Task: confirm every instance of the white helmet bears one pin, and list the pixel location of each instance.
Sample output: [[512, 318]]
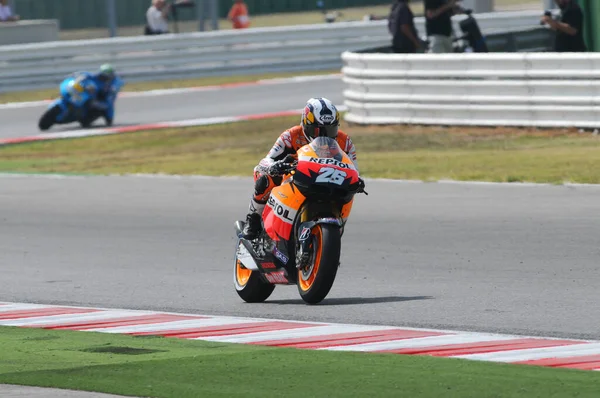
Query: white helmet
[[320, 119]]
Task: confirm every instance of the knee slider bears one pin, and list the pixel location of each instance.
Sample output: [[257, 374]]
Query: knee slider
[[261, 185]]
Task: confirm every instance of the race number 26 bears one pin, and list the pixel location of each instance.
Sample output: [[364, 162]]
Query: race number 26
[[331, 175]]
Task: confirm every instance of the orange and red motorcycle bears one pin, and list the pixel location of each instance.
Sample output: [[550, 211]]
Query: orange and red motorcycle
[[303, 223]]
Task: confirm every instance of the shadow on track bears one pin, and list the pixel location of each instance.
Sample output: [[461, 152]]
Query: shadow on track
[[355, 300]]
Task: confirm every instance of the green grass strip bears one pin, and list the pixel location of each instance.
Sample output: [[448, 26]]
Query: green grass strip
[[403, 152], [161, 367]]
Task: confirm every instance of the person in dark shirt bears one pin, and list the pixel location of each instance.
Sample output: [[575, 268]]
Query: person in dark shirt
[[569, 29], [438, 22], [402, 28]]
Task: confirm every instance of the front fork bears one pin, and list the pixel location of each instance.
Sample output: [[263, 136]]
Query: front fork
[[304, 241]]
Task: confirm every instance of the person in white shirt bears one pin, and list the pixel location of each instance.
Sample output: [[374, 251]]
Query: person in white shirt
[[156, 17], [6, 13]]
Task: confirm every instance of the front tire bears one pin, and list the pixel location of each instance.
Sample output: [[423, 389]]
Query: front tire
[[49, 118], [249, 285], [315, 281]]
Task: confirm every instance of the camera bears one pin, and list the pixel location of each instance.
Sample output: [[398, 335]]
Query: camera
[[547, 13]]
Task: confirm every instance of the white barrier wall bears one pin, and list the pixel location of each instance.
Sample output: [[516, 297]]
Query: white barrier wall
[[495, 89]]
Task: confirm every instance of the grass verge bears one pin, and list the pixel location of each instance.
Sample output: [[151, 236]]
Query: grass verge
[[402, 152], [40, 95], [160, 367]]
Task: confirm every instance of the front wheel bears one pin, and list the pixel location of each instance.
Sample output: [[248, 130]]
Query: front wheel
[[49, 118], [249, 285], [316, 279]]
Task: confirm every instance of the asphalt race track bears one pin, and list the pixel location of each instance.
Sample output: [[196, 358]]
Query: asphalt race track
[[500, 258], [236, 101]]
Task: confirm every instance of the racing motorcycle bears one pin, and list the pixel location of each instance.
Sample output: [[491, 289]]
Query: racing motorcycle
[[303, 223], [76, 94]]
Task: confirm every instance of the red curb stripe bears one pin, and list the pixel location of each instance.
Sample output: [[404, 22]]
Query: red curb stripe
[[20, 140], [482, 347], [226, 330], [116, 322], [342, 339], [40, 312], [130, 129], [585, 362]]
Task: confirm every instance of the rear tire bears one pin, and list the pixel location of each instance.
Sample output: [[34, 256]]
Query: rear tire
[[49, 118], [249, 285], [314, 286]]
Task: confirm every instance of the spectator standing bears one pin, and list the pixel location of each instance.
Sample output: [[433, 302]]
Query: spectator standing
[[6, 14], [401, 25], [438, 22], [157, 18], [569, 29], [238, 15]]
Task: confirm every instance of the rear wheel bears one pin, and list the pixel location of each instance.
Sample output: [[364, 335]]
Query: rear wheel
[[249, 285], [316, 279], [49, 118]]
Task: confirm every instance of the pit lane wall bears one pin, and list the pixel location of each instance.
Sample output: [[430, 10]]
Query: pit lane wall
[[535, 89]]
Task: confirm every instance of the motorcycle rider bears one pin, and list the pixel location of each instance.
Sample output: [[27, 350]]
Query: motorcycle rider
[[319, 118], [103, 104]]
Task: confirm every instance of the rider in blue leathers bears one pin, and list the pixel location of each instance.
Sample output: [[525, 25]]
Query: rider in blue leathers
[[108, 84]]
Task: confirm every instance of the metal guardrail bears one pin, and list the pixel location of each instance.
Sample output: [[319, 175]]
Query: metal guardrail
[[516, 89], [191, 55]]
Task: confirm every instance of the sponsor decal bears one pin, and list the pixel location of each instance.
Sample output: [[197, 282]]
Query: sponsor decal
[[276, 277], [282, 257], [327, 118], [305, 234], [268, 265], [282, 211], [330, 220], [329, 161]]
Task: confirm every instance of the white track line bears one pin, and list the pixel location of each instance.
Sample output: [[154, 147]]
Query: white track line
[[185, 90], [173, 325], [420, 342], [294, 333], [72, 318], [536, 353]]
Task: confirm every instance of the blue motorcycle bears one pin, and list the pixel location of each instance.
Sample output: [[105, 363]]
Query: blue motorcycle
[[74, 104]]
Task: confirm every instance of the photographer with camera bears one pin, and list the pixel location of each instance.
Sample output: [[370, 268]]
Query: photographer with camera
[[569, 29], [438, 15]]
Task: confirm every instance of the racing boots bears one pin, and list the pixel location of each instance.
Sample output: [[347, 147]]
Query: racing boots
[[253, 226]]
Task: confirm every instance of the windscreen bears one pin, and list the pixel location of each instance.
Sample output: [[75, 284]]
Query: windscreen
[[326, 147]]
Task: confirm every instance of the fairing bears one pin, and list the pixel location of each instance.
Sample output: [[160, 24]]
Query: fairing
[[323, 171]]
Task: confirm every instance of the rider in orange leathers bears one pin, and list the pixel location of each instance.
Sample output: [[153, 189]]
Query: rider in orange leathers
[[320, 118]]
